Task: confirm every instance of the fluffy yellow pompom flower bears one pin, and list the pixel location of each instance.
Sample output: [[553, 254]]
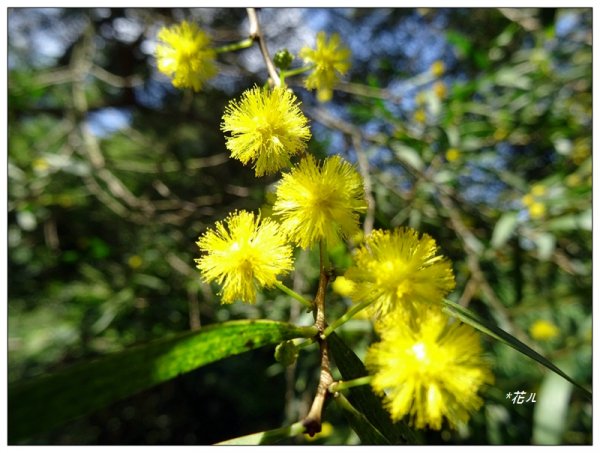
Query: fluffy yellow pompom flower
[[267, 128], [537, 210], [343, 286], [452, 154], [320, 202], [185, 55], [428, 368], [543, 330], [247, 255], [438, 68], [331, 60], [399, 270]]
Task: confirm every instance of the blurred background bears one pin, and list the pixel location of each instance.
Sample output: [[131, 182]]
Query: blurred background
[[473, 125]]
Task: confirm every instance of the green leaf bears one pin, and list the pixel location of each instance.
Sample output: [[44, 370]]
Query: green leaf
[[550, 411], [460, 42], [407, 155], [571, 222], [546, 243], [468, 317], [368, 434], [504, 229], [52, 399], [267, 437], [363, 398]]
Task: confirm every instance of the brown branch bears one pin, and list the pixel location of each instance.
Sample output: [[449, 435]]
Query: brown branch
[[312, 421], [256, 34]]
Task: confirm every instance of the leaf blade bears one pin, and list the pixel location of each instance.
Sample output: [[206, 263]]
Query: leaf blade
[[363, 398], [52, 399], [469, 317]]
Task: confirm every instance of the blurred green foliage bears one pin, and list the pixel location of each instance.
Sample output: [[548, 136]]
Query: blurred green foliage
[[113, 174]]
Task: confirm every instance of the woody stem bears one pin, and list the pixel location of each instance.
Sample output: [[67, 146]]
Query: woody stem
[[312, 421], [256, 34]]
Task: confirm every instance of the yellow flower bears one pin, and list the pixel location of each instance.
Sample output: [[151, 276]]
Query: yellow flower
[[538, 190], [267, 128], [420, 116], [399, 270], [185, 55], [40, 165], [330, 59], [135, 261], [320, 202], [429, 369], [452, 154], [573, 180], [438, 68], [543, 330], [537, 210], [343, 286], [246, 255], [440, 89], [500, 134], [527, 200]]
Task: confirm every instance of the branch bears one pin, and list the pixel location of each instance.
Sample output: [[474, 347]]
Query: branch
[[256, 34], [312, 421]]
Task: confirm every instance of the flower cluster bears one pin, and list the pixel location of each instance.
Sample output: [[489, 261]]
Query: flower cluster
[[315, 201], [185, 56], [425, 366]]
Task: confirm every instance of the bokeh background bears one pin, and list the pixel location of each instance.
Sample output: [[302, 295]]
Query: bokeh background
[[473, 125]]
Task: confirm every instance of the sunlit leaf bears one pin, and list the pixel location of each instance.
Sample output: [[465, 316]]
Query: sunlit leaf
[[504, 228], [52, 399], [469, 317]]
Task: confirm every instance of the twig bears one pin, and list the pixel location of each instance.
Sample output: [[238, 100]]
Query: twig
[[312, 421], [256, 34], [363, 167], [367, 91]]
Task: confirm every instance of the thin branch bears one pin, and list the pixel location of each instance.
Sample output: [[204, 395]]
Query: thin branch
[[367, 91], [363, 167], [312, 421], [256, 34]]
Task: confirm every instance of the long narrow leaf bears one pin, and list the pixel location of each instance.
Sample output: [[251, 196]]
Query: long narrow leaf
[[468, 317], [363, 398], [52, 399], [267, 437], [368, 434]]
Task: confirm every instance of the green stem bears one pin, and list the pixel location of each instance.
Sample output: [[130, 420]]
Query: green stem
[[343, 385], [235, 46], [345, 317], [324, 256], [294, 294], [304, 343], [267, 437], [293, 72]]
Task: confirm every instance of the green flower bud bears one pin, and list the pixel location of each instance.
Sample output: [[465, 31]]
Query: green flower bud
[[286, 353], [283, 59]]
